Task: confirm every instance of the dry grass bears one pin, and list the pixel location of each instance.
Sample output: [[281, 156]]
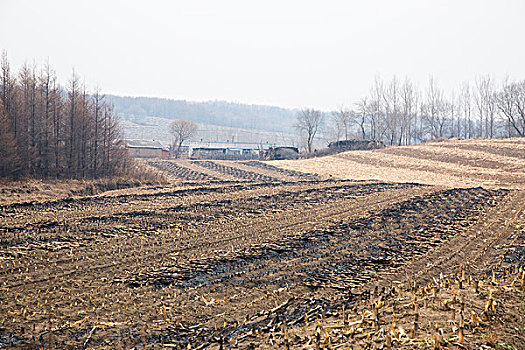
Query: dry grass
[[455, 163], [244, 261], [38, 190], [450, 313]]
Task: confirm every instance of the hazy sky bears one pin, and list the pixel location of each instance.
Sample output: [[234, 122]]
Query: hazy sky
[[288, 53]]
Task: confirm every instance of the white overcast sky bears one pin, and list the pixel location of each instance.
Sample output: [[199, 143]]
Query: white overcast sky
[[319, 54]]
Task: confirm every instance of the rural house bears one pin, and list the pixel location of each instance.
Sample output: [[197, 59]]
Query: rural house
[[145, 149], [224, 150]]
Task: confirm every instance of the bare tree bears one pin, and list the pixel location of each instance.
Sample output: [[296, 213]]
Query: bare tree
[[408, 112], [466, 104], [182, 130], [343, 119], [73, 105], [363, 109], [377, 110], [511, 103], [98, 105], [486, 105], [46, 97], [55, 132], [9, 160], [308, 123], [6, 83], [452, 108], [390, 103], [111, 133], [435, 110]]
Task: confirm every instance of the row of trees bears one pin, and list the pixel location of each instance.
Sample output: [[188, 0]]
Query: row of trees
[[399, 113], [50, 131]]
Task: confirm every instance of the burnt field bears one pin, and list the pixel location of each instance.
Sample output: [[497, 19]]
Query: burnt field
[[248, 255]]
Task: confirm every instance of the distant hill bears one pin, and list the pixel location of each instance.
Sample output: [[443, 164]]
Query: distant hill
[[232, 115], [157, 128]]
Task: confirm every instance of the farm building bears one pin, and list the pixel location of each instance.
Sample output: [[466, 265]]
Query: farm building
[[280, 153], [145, 149], [224, 150], [183, 151], [225, 153], [208, 152]]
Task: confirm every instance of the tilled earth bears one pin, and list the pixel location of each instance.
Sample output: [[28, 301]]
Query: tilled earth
[[241, 250]]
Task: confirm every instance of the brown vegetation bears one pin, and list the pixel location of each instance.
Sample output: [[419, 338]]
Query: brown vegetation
[[48, 131], [247, 255], [496, 162]]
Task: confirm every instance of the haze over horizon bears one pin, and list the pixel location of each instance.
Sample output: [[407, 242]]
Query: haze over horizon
[[290, 54]]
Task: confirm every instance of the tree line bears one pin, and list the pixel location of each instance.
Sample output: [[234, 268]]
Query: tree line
[[399, 113], [221, 113], [47, 130]]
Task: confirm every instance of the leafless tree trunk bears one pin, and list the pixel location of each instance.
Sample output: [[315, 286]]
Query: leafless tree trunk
[[466, 103], [98, 100], [451, 111], [377, 115], [58, 139], [363, 108], [9, 159], [308, 122], [343, 119], [73, 101], [391, 105], [111, 134], [511, 103], [6, 86], [435, 114], [486, 105], [84, 133], [182, 130], [408, 112], [45, 93], [26, 119]]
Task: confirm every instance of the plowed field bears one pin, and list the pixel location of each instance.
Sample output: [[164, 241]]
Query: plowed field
[[250, 255], [454, 163]]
